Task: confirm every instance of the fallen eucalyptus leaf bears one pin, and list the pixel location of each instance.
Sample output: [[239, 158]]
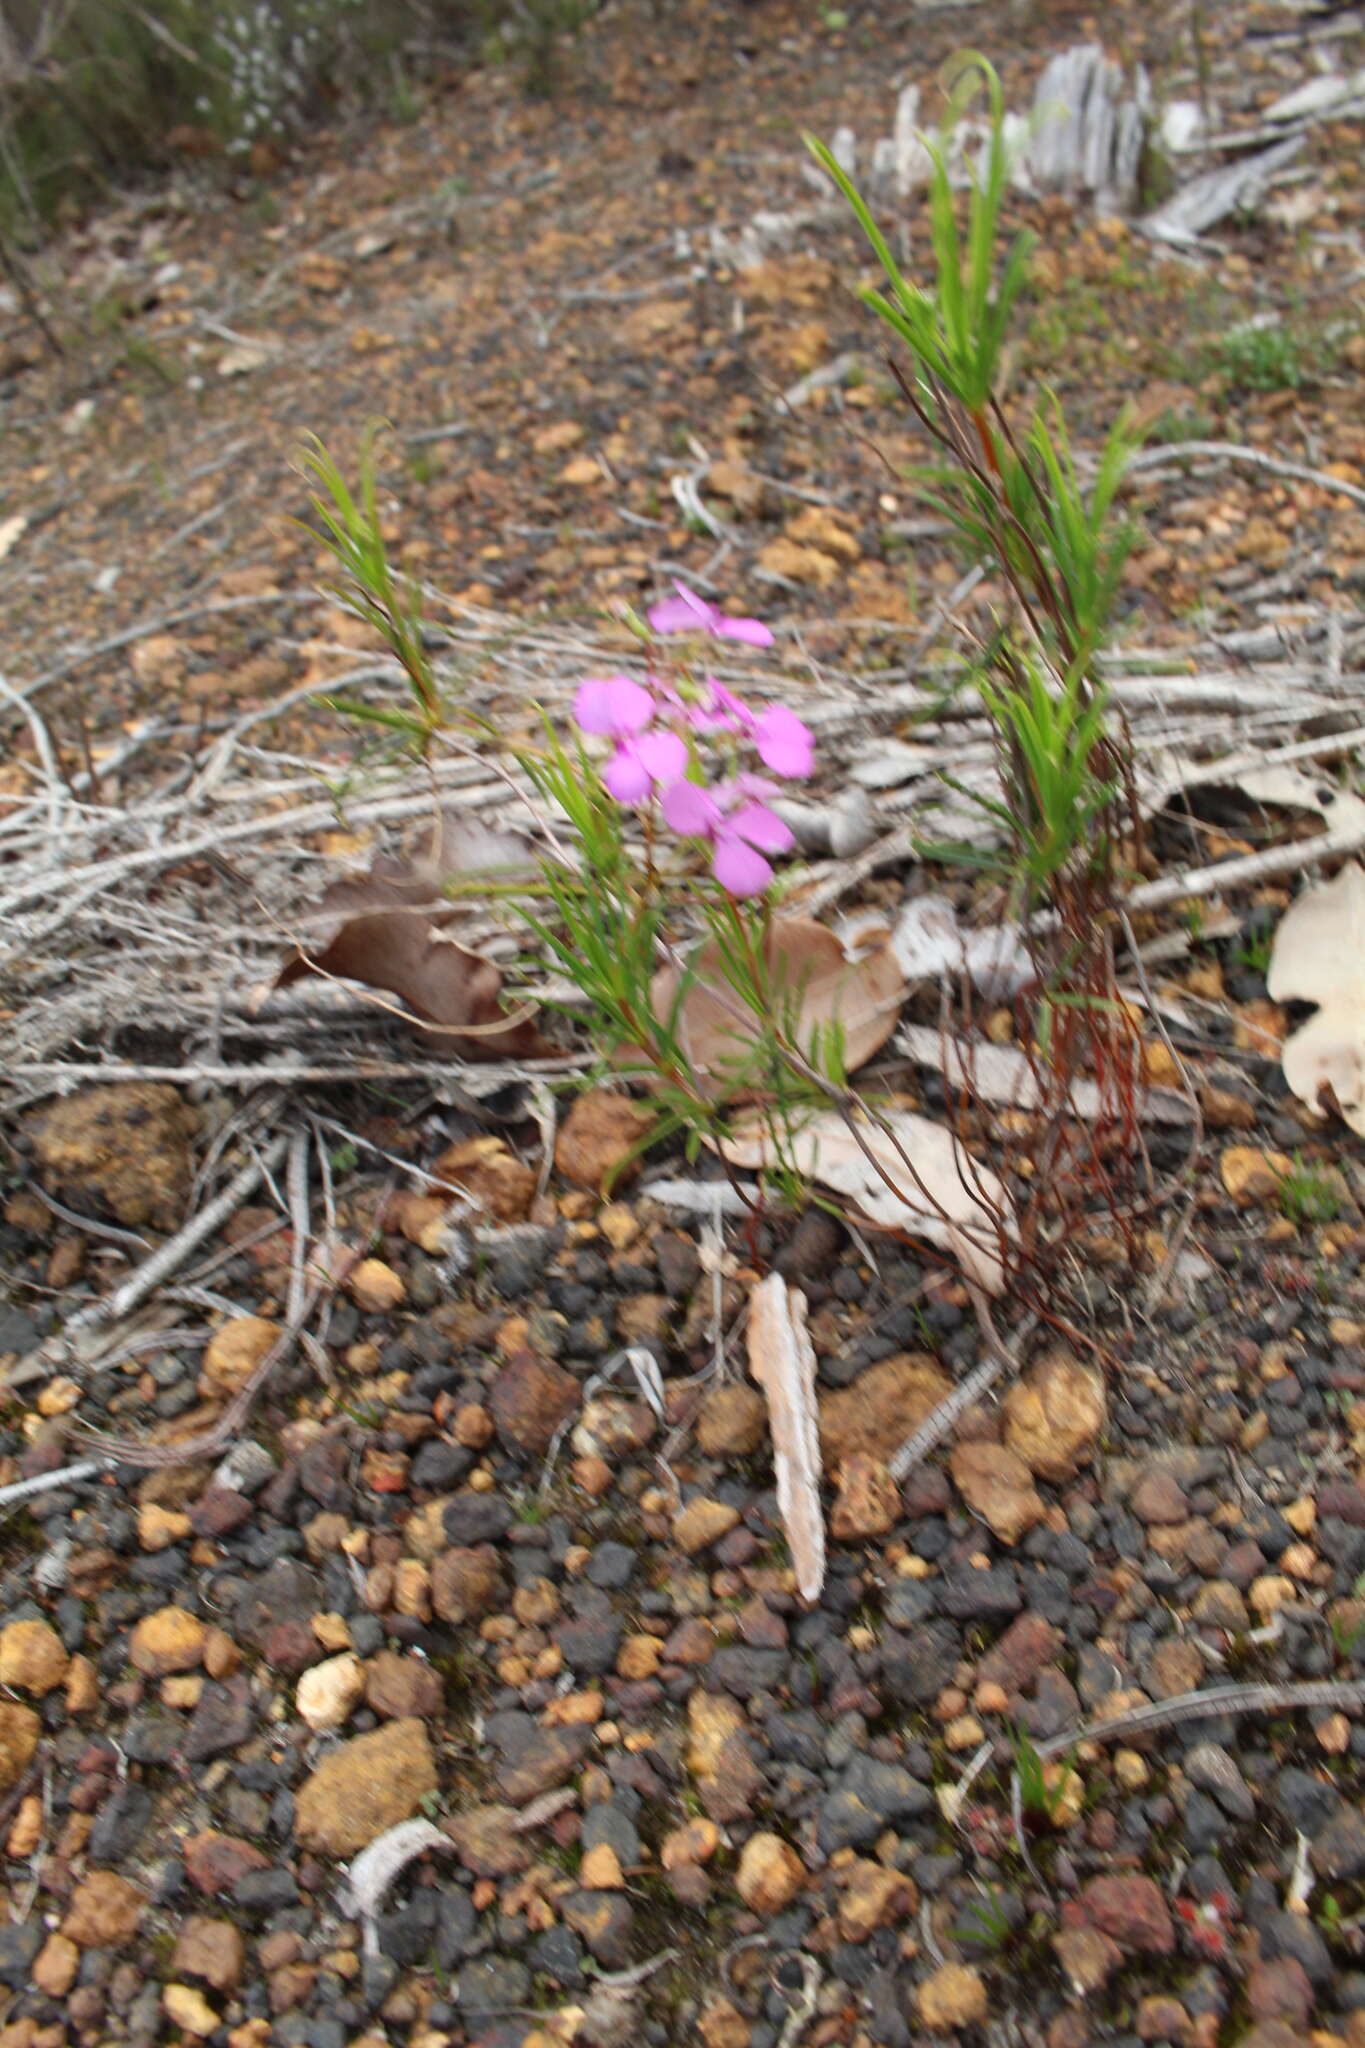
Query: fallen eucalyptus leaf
[[929, 943], [1340, 809], [809, 970], [386, 930], [782, 1361], [1002, 1074], [1319, 957], [1278, 783], [948, 1198]]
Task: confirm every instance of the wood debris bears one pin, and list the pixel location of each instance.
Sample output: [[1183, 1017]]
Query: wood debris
[[782, 1361]]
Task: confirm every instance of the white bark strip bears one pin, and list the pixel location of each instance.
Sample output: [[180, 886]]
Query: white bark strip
[[782, 1361]]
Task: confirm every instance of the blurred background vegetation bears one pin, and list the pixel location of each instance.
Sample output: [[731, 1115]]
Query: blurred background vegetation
[[95, 92]]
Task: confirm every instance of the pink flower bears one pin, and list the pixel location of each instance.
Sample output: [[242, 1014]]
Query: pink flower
[[613, 704], [721, 710], [740, 827], [624, 710], [688, 613], [785, 742]]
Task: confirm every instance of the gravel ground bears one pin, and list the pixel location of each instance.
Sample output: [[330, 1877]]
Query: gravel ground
[[443, 1575]]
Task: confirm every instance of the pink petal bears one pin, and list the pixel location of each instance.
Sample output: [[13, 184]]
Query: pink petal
[[728, 713], [739, 869], [785, 742], [690, 810], [752, 632], [758, 826], [662, 755], [626, 776], [613, 704], [759, 786], [685, 613]]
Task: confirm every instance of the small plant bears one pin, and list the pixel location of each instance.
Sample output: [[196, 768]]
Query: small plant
[[1261, 356], [1330, 1917], [96, 90], [1194, 917], [1309, 1194], [985, 1925], [1349, 1636], [1175, 424], [349, 527], [657, 810], [1206, 1923], [1042, 1793], [699, 767], [529, 34], [678, 759], [1066, 822], [1254, 953]]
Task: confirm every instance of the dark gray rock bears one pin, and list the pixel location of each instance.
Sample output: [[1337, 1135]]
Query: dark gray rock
[[20, 1942], [439, 1464], [844, 1821], [265, 1891], [612, 1567], [589, 1647], [1339, 1847], [742, 1671], [1293, 1934], [887, 1790], [1210, 1767], [120, 1824], [606, 1921], [558, 1954], [457, 1926], [286, 1591], [610, 1822], [915, 1668], [472, 1518], [222, 1719], [992, 1595], [533, 1759], [1306, 1802], [17, 1333], [153, 1736]]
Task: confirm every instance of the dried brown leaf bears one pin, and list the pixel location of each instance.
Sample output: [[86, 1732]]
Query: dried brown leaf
[[782, 1361], [810, 970], [386, 930]]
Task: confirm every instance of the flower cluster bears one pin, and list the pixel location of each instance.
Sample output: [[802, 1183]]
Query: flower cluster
[[660, 729]]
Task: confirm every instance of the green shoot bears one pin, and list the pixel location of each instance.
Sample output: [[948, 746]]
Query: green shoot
[[1039, 1794], [1310, 1194], [955, 332], [1254, 953], [349, 527]]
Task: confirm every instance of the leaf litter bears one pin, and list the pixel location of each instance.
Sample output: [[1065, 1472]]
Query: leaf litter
[[902, 1172], [1318, 957], [782, 1362], [387, 929], [812, 978]]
